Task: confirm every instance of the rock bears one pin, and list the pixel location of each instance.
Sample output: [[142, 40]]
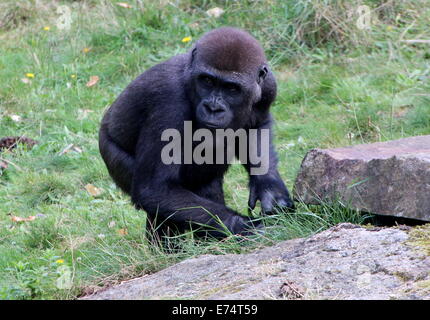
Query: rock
[[388, 178], [344, 262]]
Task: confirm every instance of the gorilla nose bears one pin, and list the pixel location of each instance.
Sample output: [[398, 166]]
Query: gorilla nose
[[214, 107]]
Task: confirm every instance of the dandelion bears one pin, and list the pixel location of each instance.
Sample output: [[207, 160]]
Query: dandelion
[[86, 50], [73, 76], [29, 75], [60, 261], [47, 28], [186, 39]]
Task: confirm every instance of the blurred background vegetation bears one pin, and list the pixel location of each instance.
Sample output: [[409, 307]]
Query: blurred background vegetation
[[344, 77]]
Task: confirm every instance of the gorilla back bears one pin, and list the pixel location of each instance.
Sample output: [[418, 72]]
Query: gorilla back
[[223, 82]]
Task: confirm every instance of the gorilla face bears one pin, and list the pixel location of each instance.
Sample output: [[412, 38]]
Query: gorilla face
[[219, 99], [223, 98]]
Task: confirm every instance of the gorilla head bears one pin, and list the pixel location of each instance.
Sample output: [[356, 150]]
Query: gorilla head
[[227, 69]]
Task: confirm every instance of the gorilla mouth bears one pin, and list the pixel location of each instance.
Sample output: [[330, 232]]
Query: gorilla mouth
[[212, 125]]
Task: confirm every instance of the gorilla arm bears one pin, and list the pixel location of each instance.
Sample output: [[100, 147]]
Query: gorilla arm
[[268, 188]]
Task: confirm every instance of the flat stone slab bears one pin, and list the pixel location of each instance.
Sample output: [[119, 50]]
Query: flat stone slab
[[344, 262], [388, 178]]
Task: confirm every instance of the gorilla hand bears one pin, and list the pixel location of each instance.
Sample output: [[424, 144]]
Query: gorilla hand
[[233, 224], [247, 226], [271, 192]]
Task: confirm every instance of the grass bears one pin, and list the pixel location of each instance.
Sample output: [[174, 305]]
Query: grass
[[338, 85]]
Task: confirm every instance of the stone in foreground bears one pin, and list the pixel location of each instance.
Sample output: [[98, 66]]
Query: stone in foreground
[[344, 262], [388, 178]]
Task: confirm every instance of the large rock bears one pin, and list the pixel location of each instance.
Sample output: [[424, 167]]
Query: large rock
[[344, 262], [387, 178]]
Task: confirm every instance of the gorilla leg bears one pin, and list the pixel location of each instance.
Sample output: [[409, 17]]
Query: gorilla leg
[[119, 163], [212, 191], [184, 209]]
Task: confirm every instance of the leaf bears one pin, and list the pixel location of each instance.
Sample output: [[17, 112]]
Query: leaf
[[93, 81], [83, 113], [122, 232], [124, 5], [66, 149], [19, 219], [3, 164], [70, 147], [401, 111], [15, 117], [215, 12], [291, 291], [93, 190], [77, 149]]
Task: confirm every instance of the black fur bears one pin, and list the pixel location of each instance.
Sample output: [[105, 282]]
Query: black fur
[[182, 196]]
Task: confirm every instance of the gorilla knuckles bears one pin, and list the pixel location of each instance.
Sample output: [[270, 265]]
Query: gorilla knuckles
[[222, 82]]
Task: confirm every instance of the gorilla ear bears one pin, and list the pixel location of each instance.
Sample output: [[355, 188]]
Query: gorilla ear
[[262, 73]]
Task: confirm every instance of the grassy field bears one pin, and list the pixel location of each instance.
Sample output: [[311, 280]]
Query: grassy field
[[340, 83]]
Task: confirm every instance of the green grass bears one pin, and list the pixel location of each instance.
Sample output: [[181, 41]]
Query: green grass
[[338, 85]]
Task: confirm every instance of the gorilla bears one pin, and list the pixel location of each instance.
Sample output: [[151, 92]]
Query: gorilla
[[223, 82]]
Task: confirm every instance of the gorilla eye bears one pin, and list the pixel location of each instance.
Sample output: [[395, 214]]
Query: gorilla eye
[[232, 88], [208, 81]]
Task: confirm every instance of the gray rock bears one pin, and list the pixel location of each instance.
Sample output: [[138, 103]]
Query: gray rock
[[344, 262], [387, 178]]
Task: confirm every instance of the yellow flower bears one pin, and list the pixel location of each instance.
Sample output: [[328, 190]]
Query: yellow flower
[[389, 28], [186, 39], [86, 50], [60, 261], [29, 75], [73, 76], [47, 28]]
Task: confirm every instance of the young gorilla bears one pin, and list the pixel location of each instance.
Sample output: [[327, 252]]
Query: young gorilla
[[222, 82]]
